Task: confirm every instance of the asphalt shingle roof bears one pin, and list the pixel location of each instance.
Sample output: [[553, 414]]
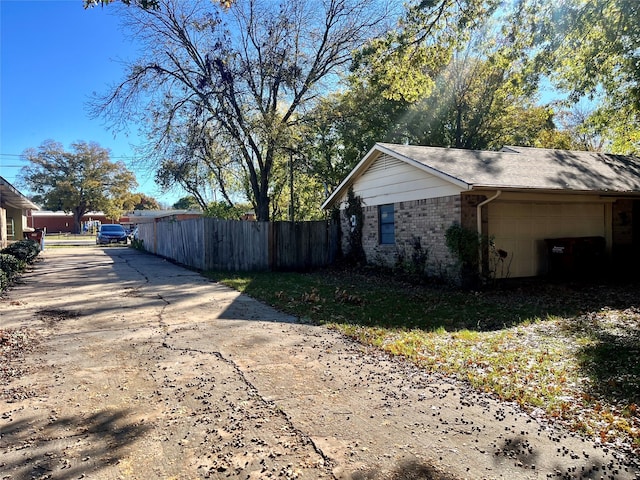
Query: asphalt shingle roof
[[524, 167]]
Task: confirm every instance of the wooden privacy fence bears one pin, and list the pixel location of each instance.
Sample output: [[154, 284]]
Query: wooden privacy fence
[[212, 244]]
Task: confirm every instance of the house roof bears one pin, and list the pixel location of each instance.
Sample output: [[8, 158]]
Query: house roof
[[512, 168], [9, 195]]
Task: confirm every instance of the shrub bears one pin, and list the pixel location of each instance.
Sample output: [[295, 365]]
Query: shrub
[[137, 243], [355, 217], [24, 250], [464, 244], [412, 257], [4, 280], [10, 264]]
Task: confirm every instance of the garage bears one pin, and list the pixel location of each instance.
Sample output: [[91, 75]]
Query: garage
[[520, 229]]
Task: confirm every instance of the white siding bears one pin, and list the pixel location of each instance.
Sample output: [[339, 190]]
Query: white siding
[[389, 180]]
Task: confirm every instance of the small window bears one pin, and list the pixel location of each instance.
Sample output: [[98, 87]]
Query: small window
[[11, 228], [387, 225]]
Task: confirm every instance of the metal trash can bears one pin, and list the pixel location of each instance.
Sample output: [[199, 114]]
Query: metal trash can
[[37, 236]]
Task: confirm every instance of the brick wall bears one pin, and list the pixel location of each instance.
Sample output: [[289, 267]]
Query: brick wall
[[424, 221]]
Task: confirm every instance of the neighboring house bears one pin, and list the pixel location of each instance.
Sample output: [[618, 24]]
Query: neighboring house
[[14, 208], [62, 222], [520, 197]]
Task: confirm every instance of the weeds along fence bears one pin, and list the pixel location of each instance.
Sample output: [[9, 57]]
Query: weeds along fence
[[229, 245]]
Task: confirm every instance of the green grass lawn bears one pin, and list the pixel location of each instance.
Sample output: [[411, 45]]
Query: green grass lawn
[[569, 352], [69, 236]]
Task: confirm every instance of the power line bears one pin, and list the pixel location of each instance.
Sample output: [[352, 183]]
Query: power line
[[112, 158]]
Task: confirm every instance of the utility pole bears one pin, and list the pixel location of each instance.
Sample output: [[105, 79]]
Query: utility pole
[[291, 209]]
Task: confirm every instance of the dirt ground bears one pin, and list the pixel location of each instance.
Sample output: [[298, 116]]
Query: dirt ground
[[143, 369]]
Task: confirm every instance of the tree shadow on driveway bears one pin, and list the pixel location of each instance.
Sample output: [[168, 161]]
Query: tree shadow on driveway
[[67, 447]]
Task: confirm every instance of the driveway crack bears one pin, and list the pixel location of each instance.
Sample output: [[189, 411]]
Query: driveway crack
[[253, 391]]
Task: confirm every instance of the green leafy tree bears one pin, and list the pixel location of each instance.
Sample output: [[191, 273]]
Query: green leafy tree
[[225, 211], [592, 45], [405, 62], [481, 99], [590, 50], [187, 203], [618, 126], [139, 201], [346, 125], [304, 201], [77, 181]]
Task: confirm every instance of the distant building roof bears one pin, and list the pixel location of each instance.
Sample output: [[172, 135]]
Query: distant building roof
[[60, 213], [149, 216]]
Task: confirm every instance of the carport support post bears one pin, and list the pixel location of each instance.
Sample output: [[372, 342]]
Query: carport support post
[[479, 226]]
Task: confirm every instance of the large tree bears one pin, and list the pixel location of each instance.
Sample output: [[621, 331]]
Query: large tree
[[479, 95], [77, 181], [405, 61], [584, 48], [248, 72], [590, 50]]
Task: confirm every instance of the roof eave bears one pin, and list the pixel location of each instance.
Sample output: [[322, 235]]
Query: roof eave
[[567, 191], [14, 198]]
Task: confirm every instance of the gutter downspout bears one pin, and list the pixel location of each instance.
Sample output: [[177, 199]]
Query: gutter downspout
[[479, 225]]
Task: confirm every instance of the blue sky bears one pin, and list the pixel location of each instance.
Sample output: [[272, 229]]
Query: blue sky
[[54, 55]]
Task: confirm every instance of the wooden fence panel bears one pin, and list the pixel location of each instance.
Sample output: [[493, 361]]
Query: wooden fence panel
[[302, 245], [229, 245], [182, 241], [146, 234], [236, 246]]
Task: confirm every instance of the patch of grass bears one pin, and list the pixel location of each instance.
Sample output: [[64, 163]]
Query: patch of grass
[[69, 236], [331, 296], [567, 352]]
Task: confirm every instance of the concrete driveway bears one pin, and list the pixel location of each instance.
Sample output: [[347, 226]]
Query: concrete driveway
[[148, 370]]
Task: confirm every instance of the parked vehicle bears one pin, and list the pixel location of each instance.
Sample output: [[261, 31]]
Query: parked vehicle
[[109, 233], [133, 234]]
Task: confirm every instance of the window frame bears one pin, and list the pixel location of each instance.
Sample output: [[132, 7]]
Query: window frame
[[386, 237], [11, 228]]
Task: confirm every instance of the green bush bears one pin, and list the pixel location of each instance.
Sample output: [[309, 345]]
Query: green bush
[[464, 244], [24, 250], [4, 280], [10, 264], [137, 243]]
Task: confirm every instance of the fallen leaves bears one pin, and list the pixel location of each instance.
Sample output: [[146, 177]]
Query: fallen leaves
[[540, 365], [14, 344]]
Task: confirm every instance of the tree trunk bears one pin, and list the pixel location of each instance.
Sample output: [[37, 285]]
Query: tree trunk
[[77, 227], [262, 213], [77, 220], [458, 140]]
